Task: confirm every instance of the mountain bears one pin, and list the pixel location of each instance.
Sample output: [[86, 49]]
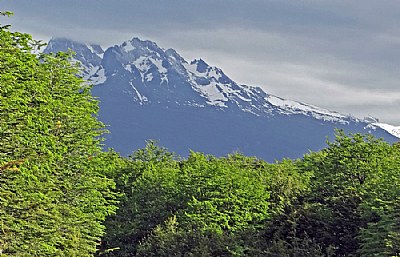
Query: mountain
[[147, 92]]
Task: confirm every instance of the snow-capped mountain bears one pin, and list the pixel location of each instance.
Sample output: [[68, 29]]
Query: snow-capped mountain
[[138, 77]]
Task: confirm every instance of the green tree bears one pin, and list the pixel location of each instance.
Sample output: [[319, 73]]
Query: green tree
[[381, 207], [331, 212], [225, 194], [149, 195], [54, 193]]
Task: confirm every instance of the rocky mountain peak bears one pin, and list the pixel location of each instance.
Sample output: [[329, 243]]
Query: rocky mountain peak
[[148, 74]]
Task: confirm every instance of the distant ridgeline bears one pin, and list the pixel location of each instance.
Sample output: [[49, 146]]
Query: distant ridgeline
[[147, 92]]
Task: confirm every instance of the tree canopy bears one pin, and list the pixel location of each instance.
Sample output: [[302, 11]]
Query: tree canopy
[[54, 193]]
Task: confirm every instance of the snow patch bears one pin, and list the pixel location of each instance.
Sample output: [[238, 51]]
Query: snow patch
[[393, 130], [142, 64], [214, 73], [213, 94], [127, 46], [292, 107], [158, 64], [210, 73], [149, 77], [128, 67], [192, 69], [145, 63], [228, 91], [99, 77], [140, 97]]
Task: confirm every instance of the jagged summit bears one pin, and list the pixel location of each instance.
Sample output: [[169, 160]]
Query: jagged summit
[[89, 55], [150, 75], [145, 45]]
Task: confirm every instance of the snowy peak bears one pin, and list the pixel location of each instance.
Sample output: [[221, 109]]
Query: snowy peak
[[137, 44], [135, 48], [139, 58]]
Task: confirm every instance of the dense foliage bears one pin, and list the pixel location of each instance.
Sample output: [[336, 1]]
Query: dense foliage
[[54, 193], [197, 201], [59, 191]]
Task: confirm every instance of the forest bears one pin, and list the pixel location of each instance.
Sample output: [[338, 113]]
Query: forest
[[62, 194]]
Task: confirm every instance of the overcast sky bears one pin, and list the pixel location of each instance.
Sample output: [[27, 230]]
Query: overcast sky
[[340, 55]]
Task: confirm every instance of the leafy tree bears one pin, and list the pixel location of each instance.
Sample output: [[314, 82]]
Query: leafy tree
[[381, 207], [149, 196], [225, 194], [54, 193]]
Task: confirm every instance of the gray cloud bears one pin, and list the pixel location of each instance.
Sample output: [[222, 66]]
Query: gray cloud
[[342, 55]]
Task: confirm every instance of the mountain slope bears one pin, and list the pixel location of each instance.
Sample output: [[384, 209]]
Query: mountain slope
[[147, 92]]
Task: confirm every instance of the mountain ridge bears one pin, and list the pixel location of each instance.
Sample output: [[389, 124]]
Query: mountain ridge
[[144, 74]]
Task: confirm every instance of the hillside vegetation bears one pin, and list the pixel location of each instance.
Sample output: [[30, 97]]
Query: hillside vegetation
[[62, 195]]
